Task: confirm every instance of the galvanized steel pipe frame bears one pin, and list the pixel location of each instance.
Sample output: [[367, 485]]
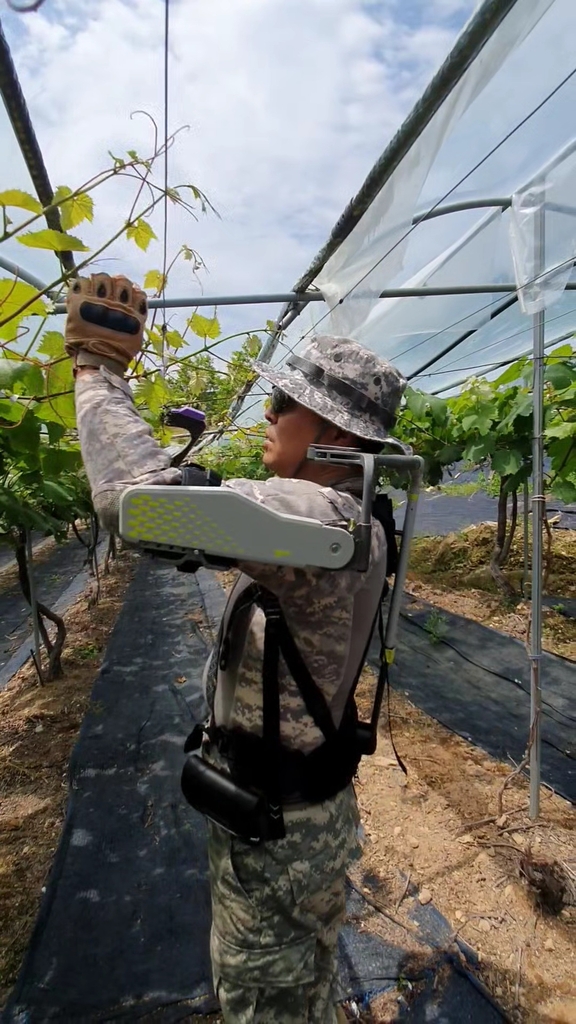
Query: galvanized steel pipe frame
[[19, 116]]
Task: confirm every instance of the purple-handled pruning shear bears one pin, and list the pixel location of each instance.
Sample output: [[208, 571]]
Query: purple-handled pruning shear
[[189, 419]]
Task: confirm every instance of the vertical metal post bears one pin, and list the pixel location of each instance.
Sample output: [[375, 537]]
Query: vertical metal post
[[538, 324], [526, 522], [33, 601]]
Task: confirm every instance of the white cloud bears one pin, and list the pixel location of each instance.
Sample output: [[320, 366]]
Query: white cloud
[[289, 103]]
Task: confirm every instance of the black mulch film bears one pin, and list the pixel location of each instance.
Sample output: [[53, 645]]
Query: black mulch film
[[476, 682], [53, 576], [123, 930], [441, 513]]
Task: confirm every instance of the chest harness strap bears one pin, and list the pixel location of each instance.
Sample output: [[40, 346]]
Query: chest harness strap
[[263, 774]]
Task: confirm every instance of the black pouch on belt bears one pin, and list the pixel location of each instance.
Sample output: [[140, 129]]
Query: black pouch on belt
[[251, 815], [237, 810]]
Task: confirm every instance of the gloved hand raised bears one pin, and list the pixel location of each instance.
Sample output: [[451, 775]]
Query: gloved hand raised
[[105, 322]]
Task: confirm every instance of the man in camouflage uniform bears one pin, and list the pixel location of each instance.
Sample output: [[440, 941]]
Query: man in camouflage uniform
[[277, 907]]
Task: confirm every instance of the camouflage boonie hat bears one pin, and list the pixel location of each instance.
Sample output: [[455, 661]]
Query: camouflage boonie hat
[[343, 382]]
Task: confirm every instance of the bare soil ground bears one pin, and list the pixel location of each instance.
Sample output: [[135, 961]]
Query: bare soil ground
[[452, 573], [38, 729], [442, 825]]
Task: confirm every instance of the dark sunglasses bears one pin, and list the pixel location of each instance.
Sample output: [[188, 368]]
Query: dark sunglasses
[[280, 402]]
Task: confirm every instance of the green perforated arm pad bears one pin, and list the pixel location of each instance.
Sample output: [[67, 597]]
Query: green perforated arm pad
[[216, 524]]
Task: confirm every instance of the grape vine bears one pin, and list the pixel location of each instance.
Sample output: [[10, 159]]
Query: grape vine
[[43, 486]]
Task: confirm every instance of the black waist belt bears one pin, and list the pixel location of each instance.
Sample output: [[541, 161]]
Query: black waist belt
[[308, 778]]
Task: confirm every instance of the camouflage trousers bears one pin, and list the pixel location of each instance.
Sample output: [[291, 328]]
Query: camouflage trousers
[[277, 910]]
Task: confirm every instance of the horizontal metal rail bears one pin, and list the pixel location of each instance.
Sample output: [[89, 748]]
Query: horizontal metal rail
[[388, 293], [20, 273]]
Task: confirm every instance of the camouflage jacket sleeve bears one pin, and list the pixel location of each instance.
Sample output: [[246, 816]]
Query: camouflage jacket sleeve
[[298, 498], [118, 447]]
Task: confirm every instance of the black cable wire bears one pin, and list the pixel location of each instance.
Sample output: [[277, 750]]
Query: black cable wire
[[499, 341], [491, 671], [450, 327], [497, 312], [509, 302], [439, 202]]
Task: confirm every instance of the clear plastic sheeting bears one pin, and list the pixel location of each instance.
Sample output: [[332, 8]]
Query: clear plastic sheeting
[[454, 212], [543, 233], [498, 343], [373, 254], [410, 327]]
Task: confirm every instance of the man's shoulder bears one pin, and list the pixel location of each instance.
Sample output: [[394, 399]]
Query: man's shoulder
[[299, 497]]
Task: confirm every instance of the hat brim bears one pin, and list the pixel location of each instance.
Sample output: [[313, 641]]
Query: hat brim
[[294, 383]]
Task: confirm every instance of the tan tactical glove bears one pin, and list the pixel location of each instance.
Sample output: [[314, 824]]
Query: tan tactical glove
[[105, 322]]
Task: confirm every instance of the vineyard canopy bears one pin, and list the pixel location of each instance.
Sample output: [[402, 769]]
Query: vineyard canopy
[[451, 205]]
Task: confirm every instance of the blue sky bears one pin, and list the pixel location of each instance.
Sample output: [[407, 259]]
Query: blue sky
[[289, 103]]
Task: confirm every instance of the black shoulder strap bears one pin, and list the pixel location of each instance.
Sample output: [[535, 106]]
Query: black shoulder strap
[[383, 512], [277, 638], [312, 696], [316, 704], [271, 722]]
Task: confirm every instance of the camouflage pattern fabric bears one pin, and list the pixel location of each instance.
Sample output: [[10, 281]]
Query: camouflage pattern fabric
[[367, 374], [277, 910], [118, 447]]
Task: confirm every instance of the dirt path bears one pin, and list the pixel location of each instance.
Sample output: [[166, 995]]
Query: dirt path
[[436, 835], [439, 834], [452, 573]]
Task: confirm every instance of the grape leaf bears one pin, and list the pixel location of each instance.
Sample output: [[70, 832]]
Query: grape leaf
[[12, 372], [416, 402], [559, 375], [57, 241], [154, 280], [175, 340], [474, 421], [10, 412], [141, 233], [73, 211], [55, 432], [22, 200], [561, 429], [512, 374], [52, 345], [56, 461], [438, 408], [204, 327], [253, 345], [56, 493], [61, 410], [13, 295], [506, 462], [565, 490], [476, 453]]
